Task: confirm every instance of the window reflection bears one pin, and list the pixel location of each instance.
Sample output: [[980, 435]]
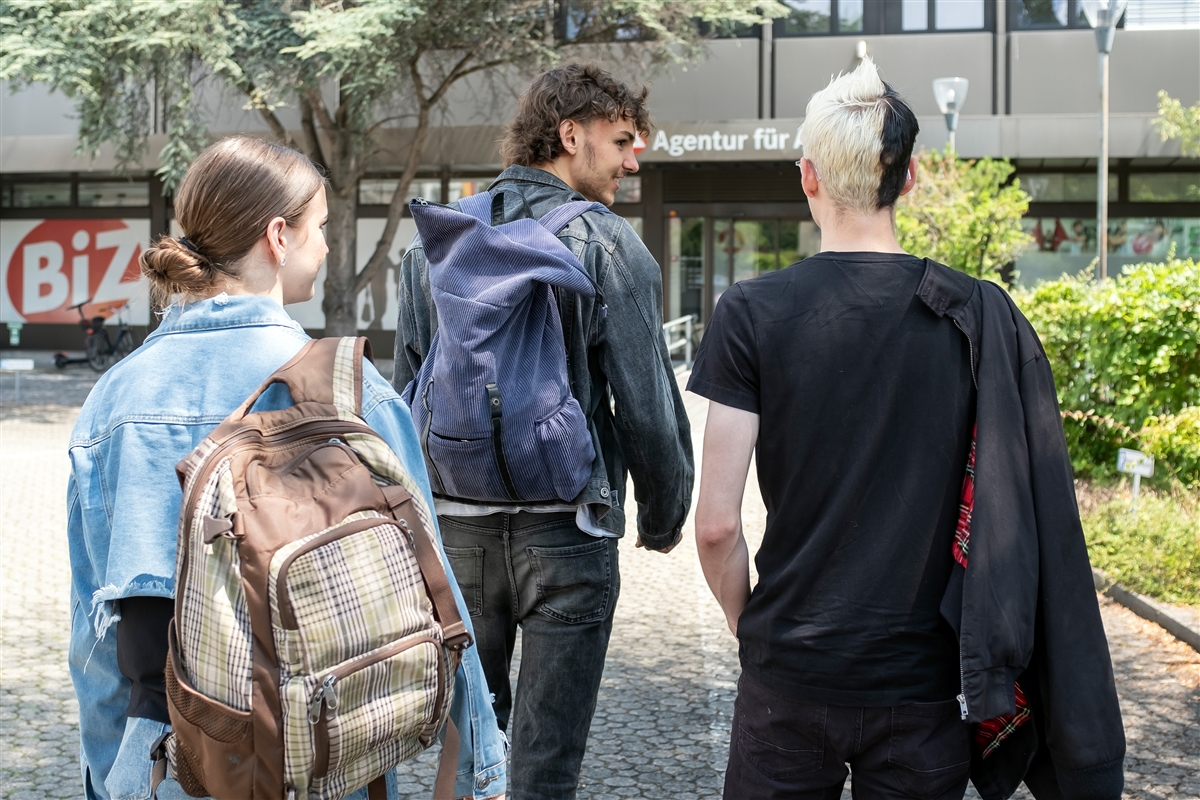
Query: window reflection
[[466, 187], [379, 191], [1164, 187], [1067, 245], [914, 15], [686, 266], [951, 15], [36, 195], [1042, 13], [850, 15], [117, 193], [806, 16], [1064, 186]]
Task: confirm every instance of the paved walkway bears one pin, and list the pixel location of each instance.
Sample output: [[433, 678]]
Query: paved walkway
[[662, 725]]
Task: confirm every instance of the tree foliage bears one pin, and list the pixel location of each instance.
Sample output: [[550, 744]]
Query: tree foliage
[[1174, 121], [342, 68], [962, 214]]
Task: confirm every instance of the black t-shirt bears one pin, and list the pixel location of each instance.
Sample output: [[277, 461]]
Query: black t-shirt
[[865, 400]]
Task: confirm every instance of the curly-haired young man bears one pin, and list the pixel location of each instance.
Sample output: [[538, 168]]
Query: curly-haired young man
[[552, 568]]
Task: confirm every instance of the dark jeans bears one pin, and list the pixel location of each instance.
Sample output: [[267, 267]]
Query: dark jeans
[[560, 585], [785, 749]]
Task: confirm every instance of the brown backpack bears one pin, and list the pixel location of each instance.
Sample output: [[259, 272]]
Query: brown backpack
[[315, 636]]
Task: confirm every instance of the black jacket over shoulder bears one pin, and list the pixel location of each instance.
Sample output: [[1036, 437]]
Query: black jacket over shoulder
[[1025, 608]]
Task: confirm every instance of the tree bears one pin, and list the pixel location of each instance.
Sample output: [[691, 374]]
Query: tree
[[962, 214], [1176, 122], [343, 68]]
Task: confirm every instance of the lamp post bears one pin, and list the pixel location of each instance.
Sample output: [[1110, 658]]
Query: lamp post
[[950, 94], [1103, 15]]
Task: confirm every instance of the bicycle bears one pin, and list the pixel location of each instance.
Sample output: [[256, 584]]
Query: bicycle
[[102, 352]]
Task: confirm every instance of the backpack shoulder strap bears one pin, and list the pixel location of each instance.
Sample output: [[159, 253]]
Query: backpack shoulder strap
[[326, 371], [560, 217], [348, 373], [478, 206]]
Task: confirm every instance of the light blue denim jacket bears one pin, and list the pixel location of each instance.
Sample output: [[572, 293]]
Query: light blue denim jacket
[[148, 412]]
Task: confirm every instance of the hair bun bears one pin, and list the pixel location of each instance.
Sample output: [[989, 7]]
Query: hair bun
[[174, 268]]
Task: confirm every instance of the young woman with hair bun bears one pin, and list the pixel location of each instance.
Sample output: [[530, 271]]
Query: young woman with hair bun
[[252, 213]]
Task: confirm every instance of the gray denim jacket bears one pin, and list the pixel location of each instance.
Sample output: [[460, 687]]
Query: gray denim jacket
[[617, 359]]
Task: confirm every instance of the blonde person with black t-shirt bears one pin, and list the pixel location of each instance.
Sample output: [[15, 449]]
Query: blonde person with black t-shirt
[[921, 523]]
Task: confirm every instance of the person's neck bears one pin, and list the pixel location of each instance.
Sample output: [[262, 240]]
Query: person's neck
[[558, 170], [846, 231], [255, 276]]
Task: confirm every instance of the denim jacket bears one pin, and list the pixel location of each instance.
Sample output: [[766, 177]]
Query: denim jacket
[[148, 412], [617, 359]]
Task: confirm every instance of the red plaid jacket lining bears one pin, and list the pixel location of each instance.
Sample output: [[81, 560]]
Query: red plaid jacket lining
[[990, 733]]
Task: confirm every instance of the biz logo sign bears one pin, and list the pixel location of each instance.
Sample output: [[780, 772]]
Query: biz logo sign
[[51, 265]]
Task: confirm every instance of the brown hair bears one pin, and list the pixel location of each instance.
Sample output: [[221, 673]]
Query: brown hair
[[582, 92], [229, 194]]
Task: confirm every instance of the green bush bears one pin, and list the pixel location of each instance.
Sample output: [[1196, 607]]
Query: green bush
[[1123, 352], [1174, 441], [963, 214], [1156, 553]]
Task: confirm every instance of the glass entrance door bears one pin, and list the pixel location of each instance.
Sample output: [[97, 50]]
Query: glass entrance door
[[708, 255]]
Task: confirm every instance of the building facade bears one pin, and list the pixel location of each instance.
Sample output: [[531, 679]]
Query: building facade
[[718, 197]]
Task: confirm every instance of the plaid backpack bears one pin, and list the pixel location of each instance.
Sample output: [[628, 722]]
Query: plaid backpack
[[315, 636]]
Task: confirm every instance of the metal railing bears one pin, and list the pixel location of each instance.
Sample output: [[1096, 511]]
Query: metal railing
[[684, 325]]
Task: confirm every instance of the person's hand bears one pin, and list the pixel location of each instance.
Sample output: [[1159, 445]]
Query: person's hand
[[665, 550]]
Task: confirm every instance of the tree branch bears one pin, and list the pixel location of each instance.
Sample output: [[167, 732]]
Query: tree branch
[[312, 143], [273, 122], [317, 104], [379, 258]]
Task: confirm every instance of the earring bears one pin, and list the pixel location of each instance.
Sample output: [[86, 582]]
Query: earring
[[282, 261]]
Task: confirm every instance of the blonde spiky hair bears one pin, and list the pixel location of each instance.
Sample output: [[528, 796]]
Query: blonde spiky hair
[[859, 135]]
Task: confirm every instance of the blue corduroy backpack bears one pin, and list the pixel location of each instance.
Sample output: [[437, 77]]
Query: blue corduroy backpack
[[492, 401]]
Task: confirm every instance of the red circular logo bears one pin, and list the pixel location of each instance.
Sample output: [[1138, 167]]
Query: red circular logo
[[62, 262]]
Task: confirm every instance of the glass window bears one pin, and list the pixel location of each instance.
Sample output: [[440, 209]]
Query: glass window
[[957, 15], [1067, 245], [850, 15], [36, 195], [798, 239], [1164, 187], [1056, 187], [1041, 13], [636, 224], [806, 16], [630, 191], [379, 191], [1160, 14], [465, 187], [914, 15], [117, 193], [686, 271]]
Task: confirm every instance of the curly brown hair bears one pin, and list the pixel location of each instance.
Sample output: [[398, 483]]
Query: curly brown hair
[[582, 92]]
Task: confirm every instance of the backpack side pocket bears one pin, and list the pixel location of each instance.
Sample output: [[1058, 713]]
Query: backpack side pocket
[[566, 447], [213, 743]]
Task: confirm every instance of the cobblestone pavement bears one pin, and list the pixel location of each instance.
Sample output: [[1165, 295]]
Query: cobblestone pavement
[[661, 729]]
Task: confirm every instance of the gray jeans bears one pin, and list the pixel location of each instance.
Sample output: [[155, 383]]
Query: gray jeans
[[560, 585]]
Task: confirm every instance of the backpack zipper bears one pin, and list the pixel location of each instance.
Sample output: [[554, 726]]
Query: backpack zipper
[[433, 469], [325, 698]]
